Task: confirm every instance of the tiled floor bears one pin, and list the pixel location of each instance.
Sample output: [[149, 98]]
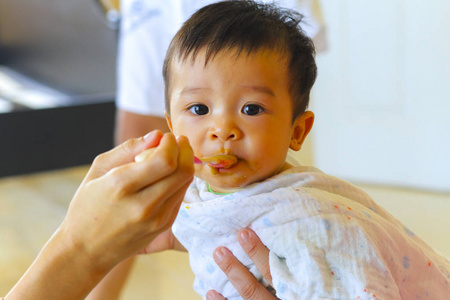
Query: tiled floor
[[31, 208]]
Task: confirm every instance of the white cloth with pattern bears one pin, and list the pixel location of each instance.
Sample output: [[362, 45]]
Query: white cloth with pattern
[[327, 240]]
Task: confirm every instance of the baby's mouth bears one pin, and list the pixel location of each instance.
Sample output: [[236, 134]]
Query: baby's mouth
[[220, 161]]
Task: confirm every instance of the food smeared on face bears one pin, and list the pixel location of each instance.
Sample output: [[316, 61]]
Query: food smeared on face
[[219, 162], [222, 160], [241, 109]]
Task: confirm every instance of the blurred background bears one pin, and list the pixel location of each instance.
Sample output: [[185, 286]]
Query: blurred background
[[381, 103], [57, 83]]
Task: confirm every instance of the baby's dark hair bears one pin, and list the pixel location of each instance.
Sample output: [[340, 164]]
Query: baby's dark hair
[[248, 27]]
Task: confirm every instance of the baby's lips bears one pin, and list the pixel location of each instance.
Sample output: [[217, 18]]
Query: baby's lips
[[223, 165], [218, 161]]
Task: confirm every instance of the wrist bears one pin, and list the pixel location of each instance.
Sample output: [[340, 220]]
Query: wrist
[[62, 270], [76, 254], [78, 270]]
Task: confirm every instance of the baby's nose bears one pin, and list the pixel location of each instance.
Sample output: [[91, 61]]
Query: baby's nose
[[225, 132]]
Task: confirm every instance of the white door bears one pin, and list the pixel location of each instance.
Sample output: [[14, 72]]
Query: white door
[[382, 98]]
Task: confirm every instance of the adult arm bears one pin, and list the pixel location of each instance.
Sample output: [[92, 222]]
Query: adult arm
[[120, 207]]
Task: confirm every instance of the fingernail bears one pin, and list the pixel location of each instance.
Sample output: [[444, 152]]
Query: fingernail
[[149, 135], [244, 236], [209, 296], [218, 254]]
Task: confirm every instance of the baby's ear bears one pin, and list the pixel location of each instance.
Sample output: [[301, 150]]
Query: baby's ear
[[301, 127], [169, 122]]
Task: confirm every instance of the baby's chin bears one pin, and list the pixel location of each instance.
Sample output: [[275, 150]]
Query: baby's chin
[[229, 184], [232, 180], [224, 184]]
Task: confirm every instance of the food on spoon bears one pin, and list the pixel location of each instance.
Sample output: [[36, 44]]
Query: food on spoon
[[219, 161], [216, 162]]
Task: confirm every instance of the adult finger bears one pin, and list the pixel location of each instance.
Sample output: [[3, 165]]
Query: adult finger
[[165, 194], [213, 295], [161, 214], [162, 200], [245, 283], [133, 177], [257, 252], [122, 154]]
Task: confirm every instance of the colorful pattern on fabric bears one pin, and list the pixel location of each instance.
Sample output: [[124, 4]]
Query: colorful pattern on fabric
[[327, 240]]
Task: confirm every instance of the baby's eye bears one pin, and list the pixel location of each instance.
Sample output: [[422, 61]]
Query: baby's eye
[[199, 109], [252, 109]]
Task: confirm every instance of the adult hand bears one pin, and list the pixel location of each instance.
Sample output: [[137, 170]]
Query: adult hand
[[244, 282], [119, 208]]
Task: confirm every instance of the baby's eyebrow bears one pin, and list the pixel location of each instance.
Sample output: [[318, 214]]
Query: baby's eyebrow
[[190, 90], [257, 88], [261, 89]]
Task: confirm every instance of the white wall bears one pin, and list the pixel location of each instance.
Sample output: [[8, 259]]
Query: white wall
[[382, 98]]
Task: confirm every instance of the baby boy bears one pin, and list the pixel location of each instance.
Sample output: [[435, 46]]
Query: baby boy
[[238, 76]]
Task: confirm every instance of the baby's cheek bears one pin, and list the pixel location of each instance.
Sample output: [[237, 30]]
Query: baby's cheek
[[255, 165]]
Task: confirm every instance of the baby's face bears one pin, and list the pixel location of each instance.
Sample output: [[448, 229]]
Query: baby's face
[[238, 106]]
